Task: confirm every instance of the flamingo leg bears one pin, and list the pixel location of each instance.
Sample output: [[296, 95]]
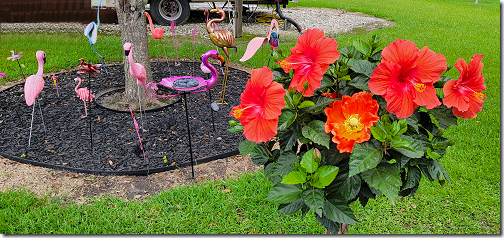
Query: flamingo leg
[[85, 109], [224, 82], [31, 125], [140, 104], [42, 116], [21, 69]]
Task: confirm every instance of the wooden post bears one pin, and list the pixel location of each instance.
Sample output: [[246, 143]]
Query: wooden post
[[238, 18]]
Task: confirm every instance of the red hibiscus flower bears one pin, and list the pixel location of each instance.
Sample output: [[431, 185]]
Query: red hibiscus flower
[[349, 120], [88, 68], [261, 105], [464, 94], [310, 59], [405, 77]]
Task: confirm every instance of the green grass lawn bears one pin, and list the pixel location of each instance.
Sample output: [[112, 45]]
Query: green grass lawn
[[469, 205]]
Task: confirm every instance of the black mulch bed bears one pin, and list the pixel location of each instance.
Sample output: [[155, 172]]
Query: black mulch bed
[[115, 142]]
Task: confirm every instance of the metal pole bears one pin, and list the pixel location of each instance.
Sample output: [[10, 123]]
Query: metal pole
[[189, 133]]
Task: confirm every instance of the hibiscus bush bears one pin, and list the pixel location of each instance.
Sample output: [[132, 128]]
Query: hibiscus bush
[[335, 125]]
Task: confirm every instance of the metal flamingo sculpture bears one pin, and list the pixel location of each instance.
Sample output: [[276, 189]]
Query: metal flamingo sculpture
[[16, 57], [33, 86], [222, 39], [137, 71], [188, 83], [257, 42], [91, 32], [138, 133], [84, 94]]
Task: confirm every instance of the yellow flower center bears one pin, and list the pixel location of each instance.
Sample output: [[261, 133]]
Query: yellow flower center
[[353, 124], [284, 64], [479, 96], [420, 87], [238, 112]]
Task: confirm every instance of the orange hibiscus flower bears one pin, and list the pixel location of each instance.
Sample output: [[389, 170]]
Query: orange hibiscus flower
[[261, 105], [310, 59], [464, 94], [405, 77], [349, 120]]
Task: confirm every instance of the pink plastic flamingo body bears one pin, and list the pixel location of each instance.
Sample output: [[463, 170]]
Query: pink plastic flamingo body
[[136, 70], [84, 94], [158, 32], [35, 83], [14, 56], [257, 42], [188, 83]]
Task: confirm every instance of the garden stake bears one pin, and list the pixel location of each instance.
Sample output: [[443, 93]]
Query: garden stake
[[189, 133], [138, 133]]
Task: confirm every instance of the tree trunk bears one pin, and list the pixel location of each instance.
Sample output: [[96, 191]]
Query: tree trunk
[[131, 17]]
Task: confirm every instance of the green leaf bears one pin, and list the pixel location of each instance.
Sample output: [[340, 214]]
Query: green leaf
[[288, 101], [331, 226], [290, 208], [350, 187], [414, 176], [268, 173], [434, 170], [320, 103], [326, 175], [286, 119], [403, 125], [339, 211], [306, 104], [431, 154], [315, 131], [362, 47], [314, 199], [294, 177], [259, 155], [246, 147], [296, 98], [327, 81], [360, 82], [284, 193], [401, 143], [308, 161], [379, 133], [415, 151], [444, 116], [365, 156], [442, 169], [363, 67], [288, 139], [386, 178], [395, 128], [284, 164], [236, 128]]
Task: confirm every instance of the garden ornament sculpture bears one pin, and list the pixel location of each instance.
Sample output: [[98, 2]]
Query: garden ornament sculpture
[[84, 94], [91, 32], [137, 71], [158, 32], [91, 70], [222, 39], [54, 78], [16, 57], [138, 133], [33, 86], [257, 42], [2, 74], [189, 84]]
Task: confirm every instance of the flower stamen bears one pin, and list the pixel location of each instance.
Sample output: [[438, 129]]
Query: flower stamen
[[238, 112], [352, 124], [420, 87], [478, 95]]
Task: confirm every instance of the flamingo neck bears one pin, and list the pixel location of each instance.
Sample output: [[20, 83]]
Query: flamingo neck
[[215, 75], [209, 23], [131, 62], [40, 71], [78, 84], [150, 22]]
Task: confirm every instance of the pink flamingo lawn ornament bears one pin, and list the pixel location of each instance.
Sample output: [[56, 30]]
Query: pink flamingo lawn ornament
[[136, 70], [33, 86], [157, 33], [84, 94], [138, 133], [188, 84], [16, 57], [257, 42], [2, 74]]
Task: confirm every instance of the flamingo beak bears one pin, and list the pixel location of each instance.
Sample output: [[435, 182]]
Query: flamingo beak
[[127, 52], [213, 10], [44, 59], [221, 59]]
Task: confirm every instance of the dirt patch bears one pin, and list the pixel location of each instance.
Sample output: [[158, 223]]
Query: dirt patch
[[79, 187]]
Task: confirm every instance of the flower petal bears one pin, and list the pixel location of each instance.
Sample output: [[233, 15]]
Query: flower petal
[[429, 66], [427, 98], [402, 52], [383, 75], [260, 129]]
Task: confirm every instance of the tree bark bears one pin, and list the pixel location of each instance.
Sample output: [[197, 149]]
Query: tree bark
[[131, 17]]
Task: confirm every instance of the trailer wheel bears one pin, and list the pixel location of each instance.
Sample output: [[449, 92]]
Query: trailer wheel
[[161, 11]]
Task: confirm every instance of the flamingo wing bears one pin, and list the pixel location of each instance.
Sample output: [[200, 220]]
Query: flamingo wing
[[140, 73], [83, 94], [91, 32], [253, 46], [33, 85]]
